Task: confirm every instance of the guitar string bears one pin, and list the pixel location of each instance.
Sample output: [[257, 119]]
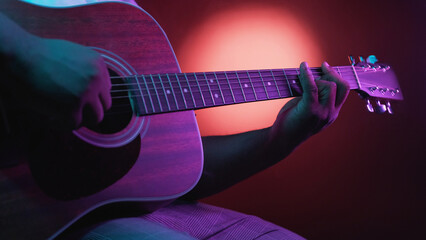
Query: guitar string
[[224, 102], [235, 81], [229, 91], [225, 90], [236, 77], [343, 74], [263, 71], [224, 87], [226, 94], [346, 68], [186, 108], [210, 104]]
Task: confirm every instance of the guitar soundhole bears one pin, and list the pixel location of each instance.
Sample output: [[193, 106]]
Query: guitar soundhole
[[120, 113]]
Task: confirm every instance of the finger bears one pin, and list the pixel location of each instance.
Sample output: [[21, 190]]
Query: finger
[[93, 113], [342, 86], [105, 95], [310, 90], [327, 94], [98, 110], [105, 98], [105, 75]]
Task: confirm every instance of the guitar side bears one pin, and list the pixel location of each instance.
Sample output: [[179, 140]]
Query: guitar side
[[159, 165]]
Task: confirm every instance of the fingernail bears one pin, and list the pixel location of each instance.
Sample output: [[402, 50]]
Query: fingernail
[[306, 65]]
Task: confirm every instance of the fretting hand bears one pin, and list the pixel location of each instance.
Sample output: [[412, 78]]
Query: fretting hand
[[317, 108]]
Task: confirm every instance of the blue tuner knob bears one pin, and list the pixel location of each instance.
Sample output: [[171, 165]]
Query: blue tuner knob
[[371, 59]]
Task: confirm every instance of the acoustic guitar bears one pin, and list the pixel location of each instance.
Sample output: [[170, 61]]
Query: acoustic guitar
[[148, 148]]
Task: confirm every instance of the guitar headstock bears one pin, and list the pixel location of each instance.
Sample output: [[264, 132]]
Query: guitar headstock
[[378, 84]]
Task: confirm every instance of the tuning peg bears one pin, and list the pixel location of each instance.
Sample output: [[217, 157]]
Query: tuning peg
[[371, 59], [362, 63], [370, 107], [351, 60], [379, 108], [389, 107]]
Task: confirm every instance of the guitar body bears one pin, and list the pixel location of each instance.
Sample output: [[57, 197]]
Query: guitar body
[[152, 160]]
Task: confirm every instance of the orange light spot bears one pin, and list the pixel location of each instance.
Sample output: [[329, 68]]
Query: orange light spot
[[252, 37]]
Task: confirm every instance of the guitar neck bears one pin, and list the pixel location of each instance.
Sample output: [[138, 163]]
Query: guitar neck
[[170, 92]]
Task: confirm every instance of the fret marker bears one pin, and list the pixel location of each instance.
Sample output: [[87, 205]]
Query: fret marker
[[245, 85], [269, 83], [293, 81], [211, 81], [168, 91], [216, 95], [185, 90]]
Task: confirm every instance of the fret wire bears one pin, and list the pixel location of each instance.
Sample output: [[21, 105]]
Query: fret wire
[[263, 82], [241, 86], [288, 83], [348, 69], [347, 77], [208, 91], [181, 91], [173, 92], [230, 88], [117, 97], [190, 90], [149, 94], [164, 90], [352, 83], [275, 81], [252, 86], [338, 71], [356, 77], [218, 84], [201, 92], [140, 90], [156, 93], [341, 71], [208, 85], [298, 74], [230, 103]]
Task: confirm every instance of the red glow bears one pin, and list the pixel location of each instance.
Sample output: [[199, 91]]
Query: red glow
[[251, 37]]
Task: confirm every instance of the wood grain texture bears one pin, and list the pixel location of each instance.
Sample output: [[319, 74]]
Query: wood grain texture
[[161, 165]]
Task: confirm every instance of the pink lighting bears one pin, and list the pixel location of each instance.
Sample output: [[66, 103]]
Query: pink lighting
[[250, 37]]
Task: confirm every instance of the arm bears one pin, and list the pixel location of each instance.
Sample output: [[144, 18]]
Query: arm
[[231, 159]]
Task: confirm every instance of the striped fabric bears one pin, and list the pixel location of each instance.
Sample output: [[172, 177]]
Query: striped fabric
[[185, 220]]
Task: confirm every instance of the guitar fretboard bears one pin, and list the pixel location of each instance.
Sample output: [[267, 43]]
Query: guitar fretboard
[[170, 92]]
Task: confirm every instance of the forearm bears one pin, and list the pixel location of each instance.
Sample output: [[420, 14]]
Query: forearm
[[231, 159], [16, 46]]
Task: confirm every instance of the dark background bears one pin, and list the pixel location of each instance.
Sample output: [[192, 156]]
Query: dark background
[[364, 177]]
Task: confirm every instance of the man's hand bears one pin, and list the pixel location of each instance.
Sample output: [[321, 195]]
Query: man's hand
[[67, 82], [318, 107]]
